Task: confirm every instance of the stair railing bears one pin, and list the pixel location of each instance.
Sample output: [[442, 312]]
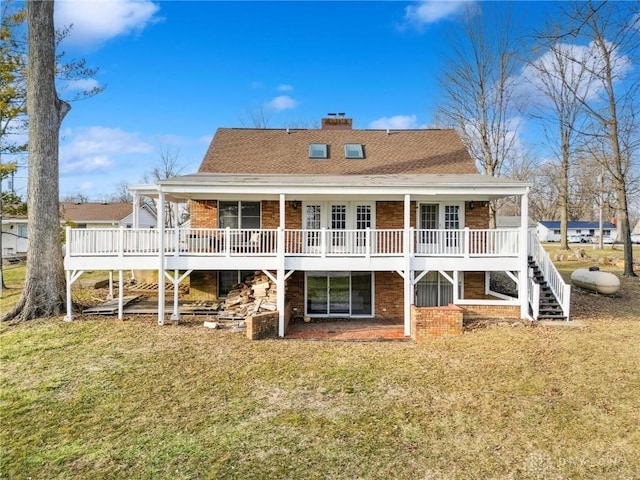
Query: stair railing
[[560, 289]]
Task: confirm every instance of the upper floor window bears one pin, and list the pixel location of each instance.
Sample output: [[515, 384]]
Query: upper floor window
[[239, 214], [318, 150], [353, 150]]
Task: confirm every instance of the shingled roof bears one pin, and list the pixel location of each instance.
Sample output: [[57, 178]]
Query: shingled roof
[[274, 151], [94, 211]]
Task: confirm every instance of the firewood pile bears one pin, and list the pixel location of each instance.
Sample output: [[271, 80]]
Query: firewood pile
[[257, 294]]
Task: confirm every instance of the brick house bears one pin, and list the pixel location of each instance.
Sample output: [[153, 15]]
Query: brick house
[[346, 223]]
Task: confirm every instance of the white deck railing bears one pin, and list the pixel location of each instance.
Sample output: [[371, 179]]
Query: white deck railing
[[324, 242], [560, 289]]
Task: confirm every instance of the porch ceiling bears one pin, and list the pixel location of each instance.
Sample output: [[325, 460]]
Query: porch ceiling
[[299, 187]]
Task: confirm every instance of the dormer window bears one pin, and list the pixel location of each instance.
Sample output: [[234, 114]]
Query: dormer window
[[353, 150], [318, 150]]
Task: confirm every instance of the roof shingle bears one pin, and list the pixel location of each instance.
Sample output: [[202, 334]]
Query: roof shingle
[[273, 151], [94, 211]]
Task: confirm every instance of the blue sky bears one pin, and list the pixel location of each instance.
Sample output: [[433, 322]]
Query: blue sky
[[175, 71]]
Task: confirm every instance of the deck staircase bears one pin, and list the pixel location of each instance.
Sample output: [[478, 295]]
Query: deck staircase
[[549, 295], [549, 307]]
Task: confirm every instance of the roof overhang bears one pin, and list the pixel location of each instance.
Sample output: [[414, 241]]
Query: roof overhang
[[264, 186]]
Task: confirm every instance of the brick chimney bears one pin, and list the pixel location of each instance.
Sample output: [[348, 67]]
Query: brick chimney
[[336, 122]]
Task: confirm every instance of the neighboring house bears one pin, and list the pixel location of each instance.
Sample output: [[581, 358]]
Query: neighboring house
[[549, 231], [346, 223], [635, 233], [513, 221], [106, 215], [14, 235]]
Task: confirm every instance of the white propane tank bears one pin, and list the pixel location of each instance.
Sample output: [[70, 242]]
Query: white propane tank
[[596, 281]]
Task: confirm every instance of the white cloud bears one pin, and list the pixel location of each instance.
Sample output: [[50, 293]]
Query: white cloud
[[97, 21], [93, 148], [397, 122], [589, 86], [205, 139], [283, 102], [184, 141], [81, 84], [432, 11], [285, 88], [88, 163]]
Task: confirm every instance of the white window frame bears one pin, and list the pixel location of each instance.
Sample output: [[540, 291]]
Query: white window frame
[[339, 315]]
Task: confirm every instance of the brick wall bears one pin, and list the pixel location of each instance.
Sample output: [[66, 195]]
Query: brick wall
[[204, 213], [295, 293], [262, 325], [474, 312], [389, 298], [474, 285], [270, 214], [391, 214], [203, 285], [429, 322], [478, 218]]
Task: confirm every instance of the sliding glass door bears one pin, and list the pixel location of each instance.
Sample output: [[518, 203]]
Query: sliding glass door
[[339, 294]]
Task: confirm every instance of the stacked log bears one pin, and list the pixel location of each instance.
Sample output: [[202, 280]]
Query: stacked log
[[256, 294]]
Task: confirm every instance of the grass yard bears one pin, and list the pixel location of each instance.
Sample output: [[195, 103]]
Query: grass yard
[[13, 278], [102, 398]]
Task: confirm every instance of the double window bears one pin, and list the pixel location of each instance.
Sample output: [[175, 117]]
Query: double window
[[239, 214], [435, 290]]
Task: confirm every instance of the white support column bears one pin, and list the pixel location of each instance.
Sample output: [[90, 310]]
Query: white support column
[[280, 303], [120, 294], [161, 240], [176, 234], [456, 290], [175, 316], [136, 210], [280, 300], [407, 265], [523, 283], [69, 316], [71, 277], [110, 295]]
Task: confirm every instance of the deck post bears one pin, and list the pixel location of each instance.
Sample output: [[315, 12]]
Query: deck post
[[175, 316], [136, 211], [161, 258], [280, 304], [120, 294], [407, 264], [523, 274], [110, 295], [69, 316]]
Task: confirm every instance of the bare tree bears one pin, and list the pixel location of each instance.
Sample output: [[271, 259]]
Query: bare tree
[[556, 78], [478, 83], [168, 166], [256, 118], [122, 194], [44, 287], [76, 198], [612, 135]]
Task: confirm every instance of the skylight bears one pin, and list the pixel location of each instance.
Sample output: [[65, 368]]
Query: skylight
[[353, 150], [318, 150]]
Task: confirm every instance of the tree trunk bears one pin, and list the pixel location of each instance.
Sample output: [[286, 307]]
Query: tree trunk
[[44, 288]]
